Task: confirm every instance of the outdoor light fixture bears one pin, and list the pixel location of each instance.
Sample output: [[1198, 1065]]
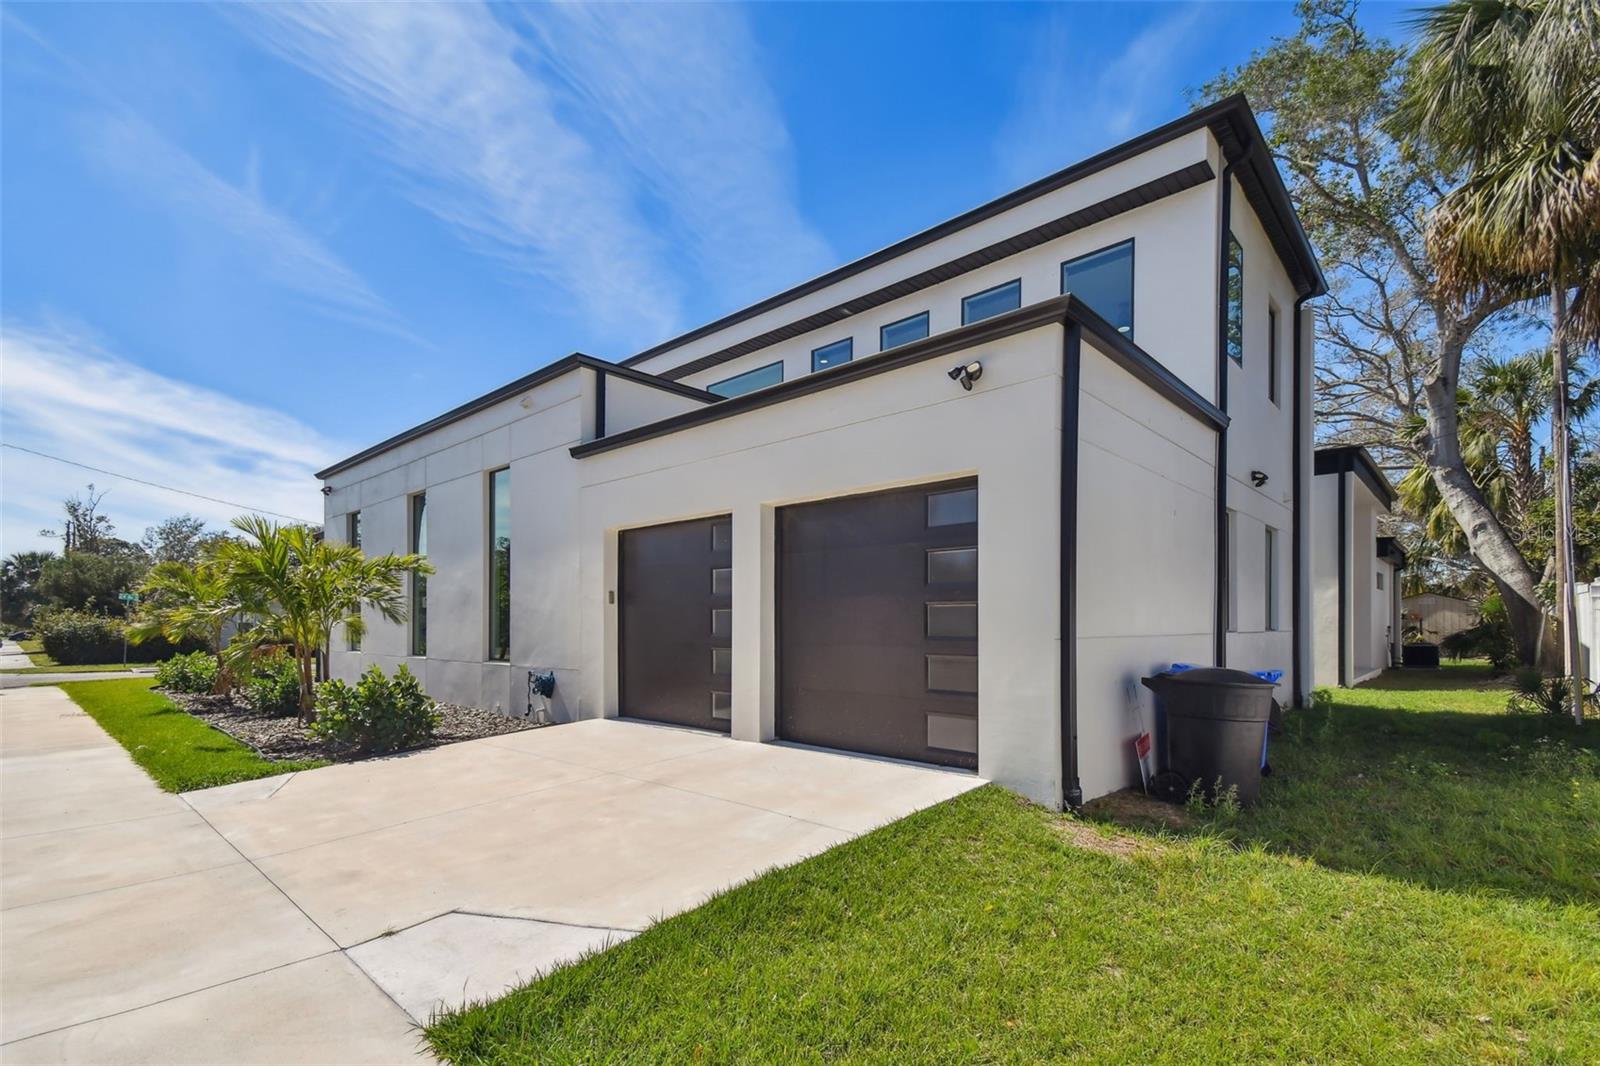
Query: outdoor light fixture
[[967, 373], [1258, 478], [327, 490]]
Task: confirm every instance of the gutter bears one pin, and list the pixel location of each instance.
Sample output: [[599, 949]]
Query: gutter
[[1071, 362], [1219, 650], [1302, 624]]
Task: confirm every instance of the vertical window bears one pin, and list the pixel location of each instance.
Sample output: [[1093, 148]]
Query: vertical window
[[1272, 578], [419, 582], [1380, 580], [1235, 283], [1272, 353], [1104, 281], [749, 381], [835, 354], [991, 302], [352, 536], [903, 332], [1232, 606], [500, 565]]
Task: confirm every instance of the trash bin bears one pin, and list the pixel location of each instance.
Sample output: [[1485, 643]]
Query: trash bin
[[1215, 722]]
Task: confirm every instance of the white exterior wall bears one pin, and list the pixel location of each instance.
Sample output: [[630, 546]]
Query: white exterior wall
[[907, 426], [1589, 629], [1145, 562], [1324, 552], [531, 434], [1171, 241], [1372, 617]]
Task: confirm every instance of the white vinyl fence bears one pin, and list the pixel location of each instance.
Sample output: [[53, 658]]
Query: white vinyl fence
[[1589, 629]]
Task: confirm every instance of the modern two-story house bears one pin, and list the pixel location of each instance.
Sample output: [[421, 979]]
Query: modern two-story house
[[946, 503]]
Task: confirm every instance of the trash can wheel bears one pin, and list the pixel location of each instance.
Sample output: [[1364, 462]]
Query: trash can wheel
[[1169, 786]]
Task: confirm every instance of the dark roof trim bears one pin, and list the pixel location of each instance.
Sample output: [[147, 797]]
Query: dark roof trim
[[1340, 457], [1390, 551], [1055, 311], [1230, 121], [575, 361], [1156, 189]]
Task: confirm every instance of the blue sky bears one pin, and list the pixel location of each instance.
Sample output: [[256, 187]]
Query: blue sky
[[240, 242]]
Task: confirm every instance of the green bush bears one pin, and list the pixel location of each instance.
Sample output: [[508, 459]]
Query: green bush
[[378, 714], [194, 673], [72, 638], [274, 685]]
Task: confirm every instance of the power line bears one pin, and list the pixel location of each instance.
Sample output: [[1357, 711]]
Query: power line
[[157, 485]]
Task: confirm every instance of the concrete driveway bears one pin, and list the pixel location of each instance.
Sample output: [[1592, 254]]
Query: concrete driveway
[[315, 917]]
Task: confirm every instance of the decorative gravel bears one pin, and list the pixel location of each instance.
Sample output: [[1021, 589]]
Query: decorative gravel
[[286, 738]]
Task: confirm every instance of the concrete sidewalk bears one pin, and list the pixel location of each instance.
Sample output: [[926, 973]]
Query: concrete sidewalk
[[314, 916], [133, 932]]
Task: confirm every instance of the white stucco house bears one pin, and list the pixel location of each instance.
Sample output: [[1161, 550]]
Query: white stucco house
[[945, 503], [1355, 573]]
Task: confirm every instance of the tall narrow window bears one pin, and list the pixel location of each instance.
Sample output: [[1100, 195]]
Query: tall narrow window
[[500, 565], [1272, 353], [1233, 572], [1235, 300], [1104, 281], [352, 536], [1272, 578], [419, 582]]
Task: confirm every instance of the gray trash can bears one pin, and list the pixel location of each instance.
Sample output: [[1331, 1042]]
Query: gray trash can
[[1216, 719]]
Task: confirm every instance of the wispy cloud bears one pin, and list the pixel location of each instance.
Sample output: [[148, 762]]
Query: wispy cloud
[[1067, 108], [63, 393], [267, 239], [683, 88], [591, 148], [281, 251]]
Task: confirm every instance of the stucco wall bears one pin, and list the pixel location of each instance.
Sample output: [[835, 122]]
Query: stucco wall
[[1146, 554], [1324, 552], [903, 427]]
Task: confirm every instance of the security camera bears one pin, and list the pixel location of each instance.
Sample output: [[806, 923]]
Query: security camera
[[1258, 478], [967, 373]]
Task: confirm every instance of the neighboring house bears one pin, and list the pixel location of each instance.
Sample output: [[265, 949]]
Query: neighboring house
[[1435, 616], [945, 503], [1588, 607], [1355, 574]]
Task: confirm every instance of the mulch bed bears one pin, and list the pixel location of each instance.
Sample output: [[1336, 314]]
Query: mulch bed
[[285, 738]]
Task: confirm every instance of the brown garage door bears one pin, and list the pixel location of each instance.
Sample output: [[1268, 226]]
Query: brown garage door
[[676, 622], [878, 623]]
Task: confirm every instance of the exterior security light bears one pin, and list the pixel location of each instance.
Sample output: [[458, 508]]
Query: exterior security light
[[1258, 478], [967, 373]]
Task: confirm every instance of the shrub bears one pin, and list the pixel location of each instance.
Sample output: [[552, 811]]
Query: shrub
[[1536, 694], [378, 714], [75, 637], [274, 685], [194, 673]]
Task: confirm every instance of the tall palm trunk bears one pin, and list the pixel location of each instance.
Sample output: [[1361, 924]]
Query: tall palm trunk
[[307, 680], [1487, 539], [1572, 659]]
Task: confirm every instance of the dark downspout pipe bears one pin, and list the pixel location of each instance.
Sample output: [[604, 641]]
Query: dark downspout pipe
[[1220, 623], [1344, 574], [1071, 361], [1297, 517], [599, 404]]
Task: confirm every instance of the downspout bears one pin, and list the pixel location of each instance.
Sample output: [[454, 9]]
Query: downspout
[[1220, 622], [1071, 361], [1302, 630], [1344, 575], [599, 404]]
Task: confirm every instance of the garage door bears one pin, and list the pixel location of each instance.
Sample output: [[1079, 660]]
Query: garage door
[[878, 623], [675, 622]]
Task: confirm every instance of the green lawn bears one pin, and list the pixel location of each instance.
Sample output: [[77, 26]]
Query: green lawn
[[1421, 883], [178, 750]]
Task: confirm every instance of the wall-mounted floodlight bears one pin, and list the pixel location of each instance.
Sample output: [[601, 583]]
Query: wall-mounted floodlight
[[967, 373]]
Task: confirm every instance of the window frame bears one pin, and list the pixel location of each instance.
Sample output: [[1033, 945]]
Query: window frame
[[1274, 355], [489, 586], [850, 353], [352, 537], [1133, 268], [416, 538], [1233, 320], [966, 300], [712, 388], [927, 324]]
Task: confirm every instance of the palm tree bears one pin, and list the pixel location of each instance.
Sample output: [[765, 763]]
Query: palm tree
[[1508, 93], [181, 601], [305, 586], [19, 576]]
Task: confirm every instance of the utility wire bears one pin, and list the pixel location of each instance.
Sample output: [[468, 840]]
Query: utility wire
[[157, 485]]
